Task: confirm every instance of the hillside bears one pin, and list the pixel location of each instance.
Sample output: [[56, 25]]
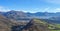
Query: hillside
[[40, 25], [6, 24], [36, 25]]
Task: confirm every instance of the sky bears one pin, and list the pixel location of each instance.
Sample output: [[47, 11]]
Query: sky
[[30, 5]]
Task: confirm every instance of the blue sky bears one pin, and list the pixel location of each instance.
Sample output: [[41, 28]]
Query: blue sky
[[30, 5]]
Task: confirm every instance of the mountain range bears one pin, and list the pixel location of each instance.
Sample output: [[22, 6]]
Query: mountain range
[[9, 21], [26, 16]]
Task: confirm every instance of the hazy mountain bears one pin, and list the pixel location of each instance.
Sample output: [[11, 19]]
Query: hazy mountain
[[26, 16], [16, 15], [23, 14]]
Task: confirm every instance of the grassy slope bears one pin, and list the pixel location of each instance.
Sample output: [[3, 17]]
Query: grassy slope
[[50, 26]]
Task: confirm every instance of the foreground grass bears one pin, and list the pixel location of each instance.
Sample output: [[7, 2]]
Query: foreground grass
[[58, 26], [55, 30]]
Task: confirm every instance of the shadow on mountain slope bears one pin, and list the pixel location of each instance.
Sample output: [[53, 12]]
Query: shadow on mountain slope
[[33, 25]]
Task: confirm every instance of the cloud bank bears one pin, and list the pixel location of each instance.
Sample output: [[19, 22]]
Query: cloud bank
[[4, 9]]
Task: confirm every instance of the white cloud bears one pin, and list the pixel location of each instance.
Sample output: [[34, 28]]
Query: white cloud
[[57, 9], [53, 1], [51, 9], [46, 8], [54, 10], [3, 9]]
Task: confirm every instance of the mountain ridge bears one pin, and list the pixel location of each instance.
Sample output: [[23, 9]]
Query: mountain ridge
[[23, 16]]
